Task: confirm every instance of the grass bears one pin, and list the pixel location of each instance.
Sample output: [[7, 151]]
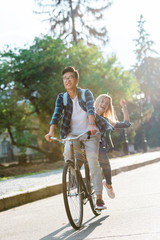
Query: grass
[[23, 175]]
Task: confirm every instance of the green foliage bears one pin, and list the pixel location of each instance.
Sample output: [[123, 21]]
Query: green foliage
[[147, 72], [101, 75], [150, 78], [147, 68], [30, 80]]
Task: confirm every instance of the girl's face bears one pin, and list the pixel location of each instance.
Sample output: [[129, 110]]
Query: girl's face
[[103, 107]]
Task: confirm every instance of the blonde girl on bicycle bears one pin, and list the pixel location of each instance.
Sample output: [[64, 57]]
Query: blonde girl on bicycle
[[104, 107]]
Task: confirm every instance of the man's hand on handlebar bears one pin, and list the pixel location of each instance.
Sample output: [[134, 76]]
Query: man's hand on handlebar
[[47, 137], [92, 129], [51, 133]]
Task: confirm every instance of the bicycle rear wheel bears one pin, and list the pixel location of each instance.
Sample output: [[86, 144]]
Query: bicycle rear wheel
[[73, 199]]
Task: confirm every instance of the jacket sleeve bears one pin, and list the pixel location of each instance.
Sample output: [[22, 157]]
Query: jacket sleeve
[[124, 124], [89, 102], [58, 110], [103, 124]]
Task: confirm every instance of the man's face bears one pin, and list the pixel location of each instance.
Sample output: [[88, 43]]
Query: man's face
[[69, 80]]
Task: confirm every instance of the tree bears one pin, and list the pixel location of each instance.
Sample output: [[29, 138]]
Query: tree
[[145, 66], [30, 80], [143, 44], [76, 20], [151, 78], [29, 85], [147, 70], [100, 74]]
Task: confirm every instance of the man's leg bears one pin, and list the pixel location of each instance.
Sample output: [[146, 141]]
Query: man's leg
[[67, 149], [92, 150]]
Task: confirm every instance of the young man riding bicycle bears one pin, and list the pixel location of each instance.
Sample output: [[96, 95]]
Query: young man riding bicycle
[[79, 117]]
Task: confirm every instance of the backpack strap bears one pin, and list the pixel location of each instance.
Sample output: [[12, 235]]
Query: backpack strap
[[83, 95], [65, 99], [65, 95]]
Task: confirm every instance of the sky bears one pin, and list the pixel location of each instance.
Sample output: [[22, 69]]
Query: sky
[[19, 25]]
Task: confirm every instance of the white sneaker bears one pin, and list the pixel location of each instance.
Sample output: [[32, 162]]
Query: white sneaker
[[110, 191]]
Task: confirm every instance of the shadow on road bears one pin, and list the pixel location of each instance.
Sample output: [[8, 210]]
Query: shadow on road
[[71, 234]]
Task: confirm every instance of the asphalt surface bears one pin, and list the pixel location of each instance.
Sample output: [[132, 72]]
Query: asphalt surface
[[132, 215], [22, 190]]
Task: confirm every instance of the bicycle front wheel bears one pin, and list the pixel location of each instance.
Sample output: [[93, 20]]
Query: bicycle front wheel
[[72, 195]]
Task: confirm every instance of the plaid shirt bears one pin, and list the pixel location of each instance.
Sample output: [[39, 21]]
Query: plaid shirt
[[66, 111]]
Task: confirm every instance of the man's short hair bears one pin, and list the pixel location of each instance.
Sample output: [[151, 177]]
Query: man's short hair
[[71, 69]]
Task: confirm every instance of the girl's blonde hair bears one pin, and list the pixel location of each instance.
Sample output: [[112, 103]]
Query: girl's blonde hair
[[110, 113]]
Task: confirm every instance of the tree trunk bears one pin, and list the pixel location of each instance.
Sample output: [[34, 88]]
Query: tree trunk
[[73, 23]]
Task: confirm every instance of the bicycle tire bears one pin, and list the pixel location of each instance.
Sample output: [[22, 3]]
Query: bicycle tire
[[92, 199], [72, 195]]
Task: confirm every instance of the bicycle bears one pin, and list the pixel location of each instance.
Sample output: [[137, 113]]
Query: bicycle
[[77, 190]]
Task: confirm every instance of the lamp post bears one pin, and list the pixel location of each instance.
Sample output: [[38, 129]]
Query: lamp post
[[125, 142], [125, 139], [140, 98]]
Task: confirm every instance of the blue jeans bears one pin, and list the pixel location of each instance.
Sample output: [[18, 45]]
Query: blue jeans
[[92, 149]]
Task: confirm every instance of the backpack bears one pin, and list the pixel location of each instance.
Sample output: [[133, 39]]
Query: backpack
[[83, 97]]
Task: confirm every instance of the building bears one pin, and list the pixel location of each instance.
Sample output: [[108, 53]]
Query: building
[[8, 152]]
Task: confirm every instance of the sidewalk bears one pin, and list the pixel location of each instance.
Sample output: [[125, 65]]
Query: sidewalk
[[22, 190]]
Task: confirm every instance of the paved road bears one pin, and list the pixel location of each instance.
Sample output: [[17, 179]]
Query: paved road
[[29, 183], [133, 215]]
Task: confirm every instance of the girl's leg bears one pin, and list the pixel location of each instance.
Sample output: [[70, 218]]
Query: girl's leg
[[105, 165]]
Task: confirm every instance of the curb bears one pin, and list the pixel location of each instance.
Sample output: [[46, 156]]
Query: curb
[[31, 196], [134, 166]]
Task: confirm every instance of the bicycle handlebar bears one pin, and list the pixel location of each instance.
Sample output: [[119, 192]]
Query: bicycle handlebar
[[77, 138]]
